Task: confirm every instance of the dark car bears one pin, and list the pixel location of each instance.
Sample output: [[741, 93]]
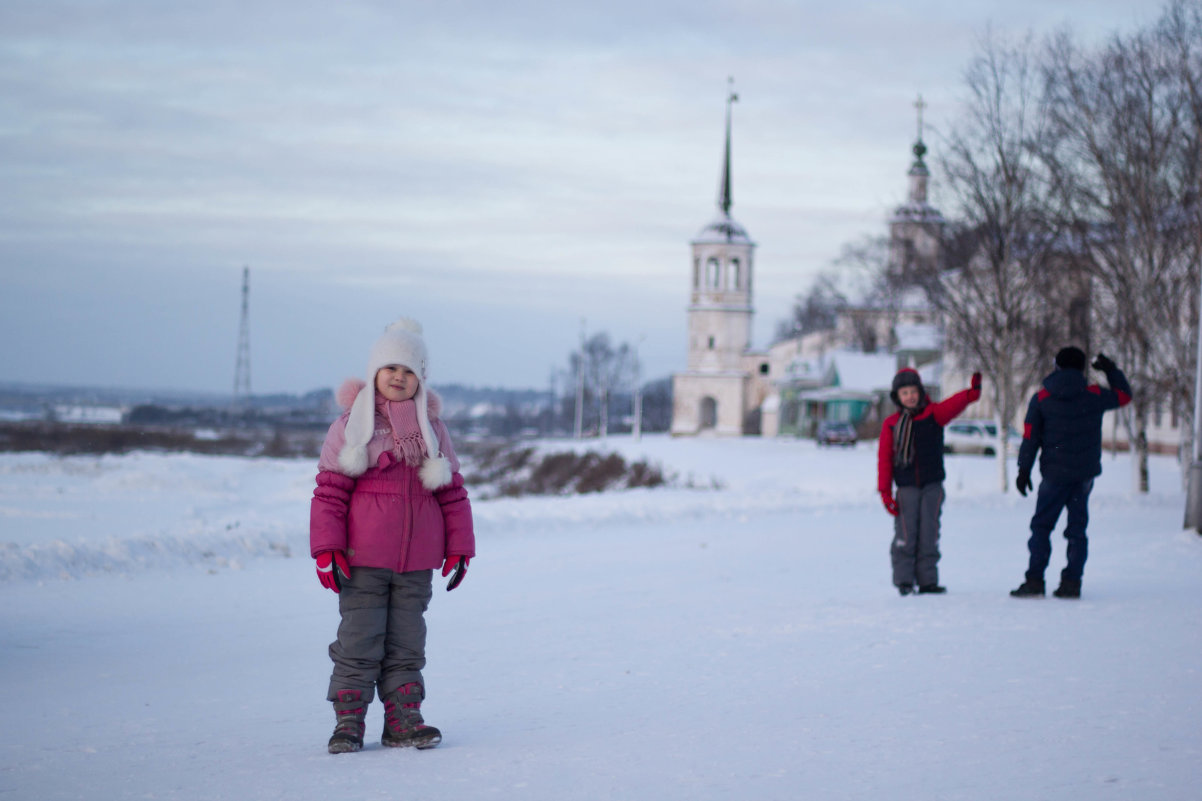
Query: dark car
[[835, 434]]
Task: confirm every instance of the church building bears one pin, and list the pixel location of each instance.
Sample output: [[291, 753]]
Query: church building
[[726, 382]]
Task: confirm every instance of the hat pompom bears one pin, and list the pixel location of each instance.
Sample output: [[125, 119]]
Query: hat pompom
[[407, 324]]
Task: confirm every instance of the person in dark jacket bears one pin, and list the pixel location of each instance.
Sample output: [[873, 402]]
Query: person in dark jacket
[[1064, 421], [910, 454]]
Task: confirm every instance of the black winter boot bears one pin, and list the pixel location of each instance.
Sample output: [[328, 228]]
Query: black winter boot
[[403, 724], [905, 589], [1030, 588], [350, 709], [928, 589], [1069, 588]]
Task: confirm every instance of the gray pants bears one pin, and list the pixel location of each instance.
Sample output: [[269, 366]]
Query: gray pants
[[915, 549], [382, 637]]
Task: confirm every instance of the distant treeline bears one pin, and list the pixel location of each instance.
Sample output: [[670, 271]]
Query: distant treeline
[[76, 438]]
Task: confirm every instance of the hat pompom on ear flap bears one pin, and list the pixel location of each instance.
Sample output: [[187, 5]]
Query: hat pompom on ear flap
[[435, 472]]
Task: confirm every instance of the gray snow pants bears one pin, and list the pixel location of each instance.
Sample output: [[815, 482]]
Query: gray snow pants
[[915, 549], [381, 641]]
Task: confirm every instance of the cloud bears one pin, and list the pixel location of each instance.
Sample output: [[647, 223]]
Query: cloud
[[513, 166]]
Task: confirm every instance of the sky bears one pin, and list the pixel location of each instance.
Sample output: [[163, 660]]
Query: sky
[[509, 174]]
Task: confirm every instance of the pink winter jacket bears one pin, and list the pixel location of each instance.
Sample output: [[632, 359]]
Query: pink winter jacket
[[385, 517]]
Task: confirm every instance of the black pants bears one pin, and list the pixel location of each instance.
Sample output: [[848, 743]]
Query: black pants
[[1054, 496]]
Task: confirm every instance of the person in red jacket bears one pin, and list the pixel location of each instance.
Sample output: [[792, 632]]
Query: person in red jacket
[[910, 454], [389, 509]]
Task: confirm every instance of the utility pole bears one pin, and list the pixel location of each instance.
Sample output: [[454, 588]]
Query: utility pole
[[1193, 496], [638, 391], [580, 385], [552, 402], [241, 399]]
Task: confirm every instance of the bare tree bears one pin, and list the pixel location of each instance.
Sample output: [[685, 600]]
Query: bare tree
[[859, 278], [813, 310], [1124, 140], [1001, 309], [605, 369]]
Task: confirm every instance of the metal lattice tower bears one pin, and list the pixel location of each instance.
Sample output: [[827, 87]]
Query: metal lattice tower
[[242, 368]]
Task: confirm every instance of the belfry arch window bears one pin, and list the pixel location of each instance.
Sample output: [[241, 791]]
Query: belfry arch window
[[712, 273], [735, 275], [696, 273]]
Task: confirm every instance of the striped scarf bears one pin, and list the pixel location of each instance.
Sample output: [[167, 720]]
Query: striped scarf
[[903, 439], [903, 434]]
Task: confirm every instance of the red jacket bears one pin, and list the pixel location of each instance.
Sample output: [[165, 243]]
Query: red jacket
[[927, 465]]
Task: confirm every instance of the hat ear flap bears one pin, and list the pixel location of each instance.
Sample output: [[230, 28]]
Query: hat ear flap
[[435, 471], [360, 425]]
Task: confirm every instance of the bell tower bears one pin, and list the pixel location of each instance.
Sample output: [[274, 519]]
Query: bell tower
[[712, 394], [720, 308]]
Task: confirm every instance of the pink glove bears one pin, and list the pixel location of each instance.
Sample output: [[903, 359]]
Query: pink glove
[[459, 565], [332, 569], [890, 504], [976, 381], [452, 562]]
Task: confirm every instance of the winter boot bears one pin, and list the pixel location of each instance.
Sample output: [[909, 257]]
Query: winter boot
[[349, 710], [403, 724], [928, 589], [1030, 588], [1069, 588], [905, 589]]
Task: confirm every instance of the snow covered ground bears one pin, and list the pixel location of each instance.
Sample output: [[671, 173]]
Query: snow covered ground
[[163, 636]]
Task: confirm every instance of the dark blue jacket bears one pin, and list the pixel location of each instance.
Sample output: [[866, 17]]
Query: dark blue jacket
[[1064, 420]]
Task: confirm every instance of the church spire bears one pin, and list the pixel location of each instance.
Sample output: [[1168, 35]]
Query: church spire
[[724, 196], [918, 170], [723, 228]]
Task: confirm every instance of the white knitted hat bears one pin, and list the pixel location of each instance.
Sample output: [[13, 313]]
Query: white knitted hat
[[401, 344]]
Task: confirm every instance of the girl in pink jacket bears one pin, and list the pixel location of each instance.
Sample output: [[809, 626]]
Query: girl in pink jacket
[[389, 509]]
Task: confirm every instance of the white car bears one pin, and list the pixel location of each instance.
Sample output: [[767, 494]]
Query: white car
[[977, 436]]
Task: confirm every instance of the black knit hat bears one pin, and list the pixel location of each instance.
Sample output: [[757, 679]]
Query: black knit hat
[[906, 377], [1071, 358]]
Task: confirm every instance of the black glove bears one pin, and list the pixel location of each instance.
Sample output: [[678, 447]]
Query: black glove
[[1023, 484], [1103, 363]]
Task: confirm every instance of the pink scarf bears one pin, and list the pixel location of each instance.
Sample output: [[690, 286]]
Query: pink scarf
[[407, 443]]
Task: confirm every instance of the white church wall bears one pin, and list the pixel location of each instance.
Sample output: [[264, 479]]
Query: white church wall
[[689, 393], [718, 338]]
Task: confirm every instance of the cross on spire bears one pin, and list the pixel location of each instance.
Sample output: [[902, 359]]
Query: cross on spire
[[919, 148], [920, 105]]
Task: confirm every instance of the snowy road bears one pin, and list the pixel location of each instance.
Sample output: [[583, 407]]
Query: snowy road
[[666, 644]]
